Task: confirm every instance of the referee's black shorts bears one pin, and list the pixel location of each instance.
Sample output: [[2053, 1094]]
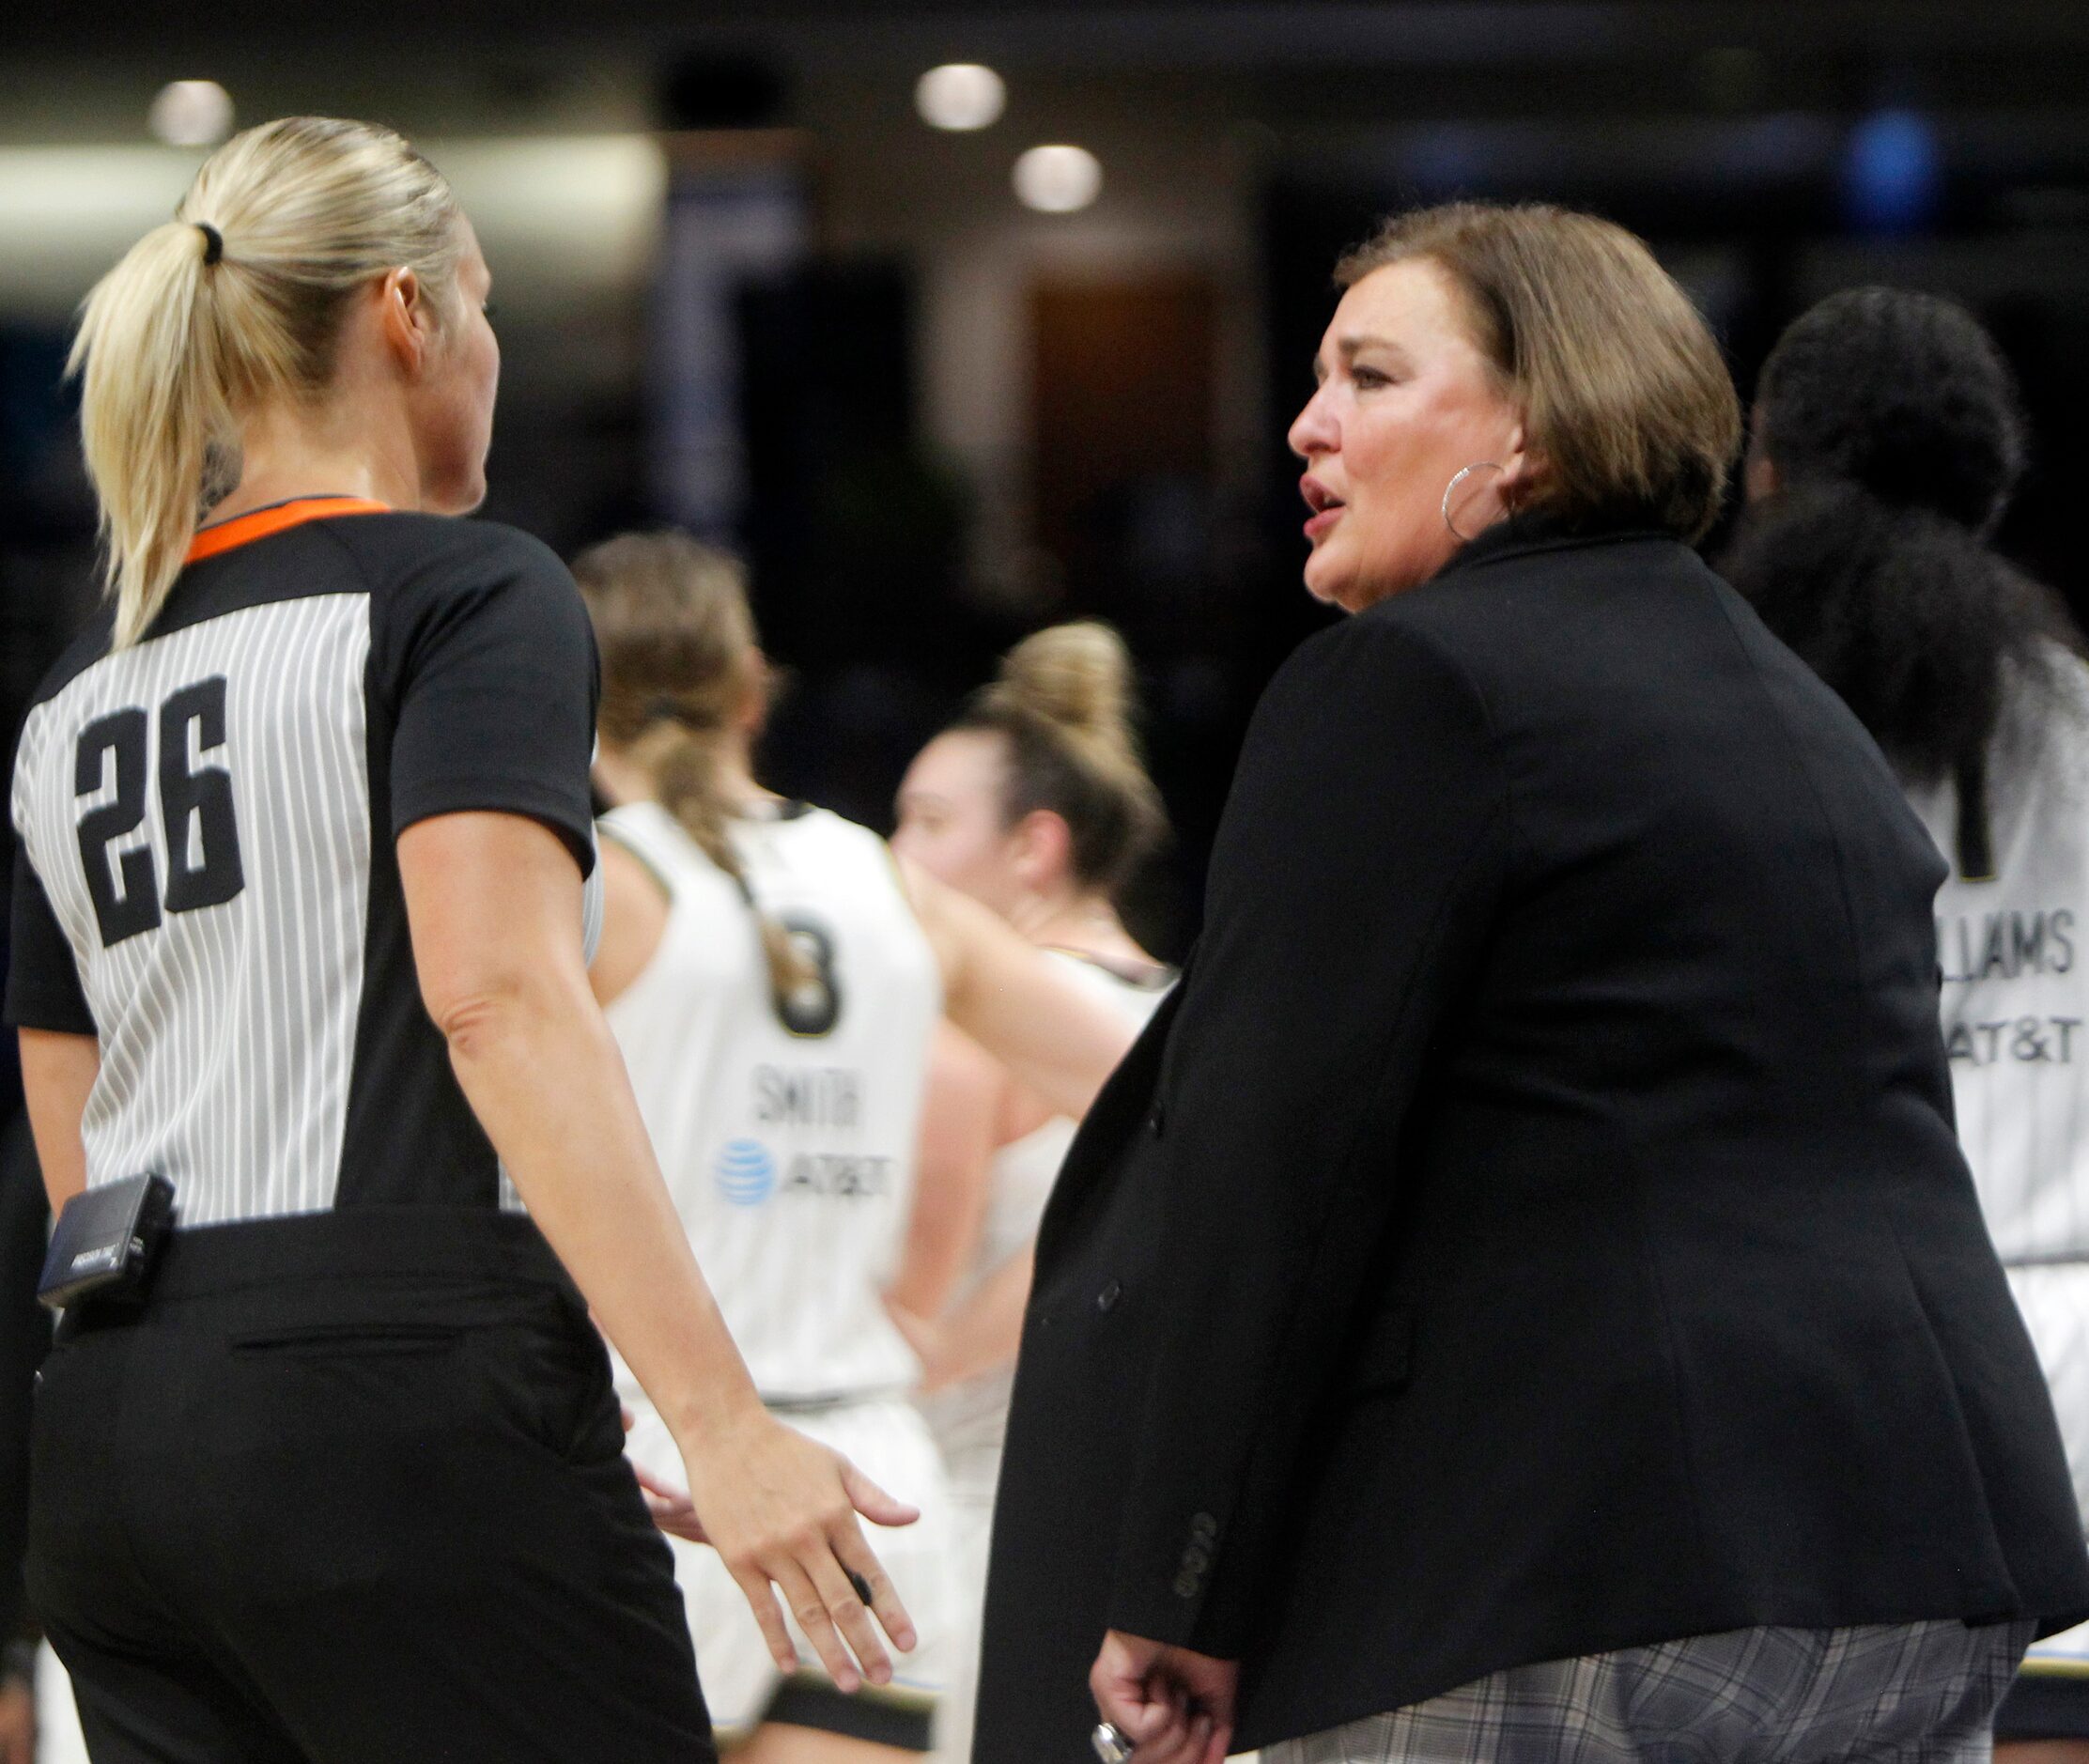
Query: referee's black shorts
[[352, 1488]]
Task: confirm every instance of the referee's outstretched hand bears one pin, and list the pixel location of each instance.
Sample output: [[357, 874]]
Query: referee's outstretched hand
[[781, 1511]]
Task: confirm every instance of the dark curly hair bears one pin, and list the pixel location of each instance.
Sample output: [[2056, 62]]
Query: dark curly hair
[[1891, 423]]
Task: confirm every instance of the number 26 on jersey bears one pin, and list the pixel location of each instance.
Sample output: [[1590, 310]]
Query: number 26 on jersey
[[112, 775]]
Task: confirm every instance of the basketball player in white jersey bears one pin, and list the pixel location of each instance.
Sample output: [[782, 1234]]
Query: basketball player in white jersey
[[1035, 803], [774, 983], [1887, 442]]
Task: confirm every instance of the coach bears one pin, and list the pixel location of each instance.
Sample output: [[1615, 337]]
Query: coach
[[1523, 1297]]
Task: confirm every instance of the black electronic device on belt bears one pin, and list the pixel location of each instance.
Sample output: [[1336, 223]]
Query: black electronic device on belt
[[107, 1241]]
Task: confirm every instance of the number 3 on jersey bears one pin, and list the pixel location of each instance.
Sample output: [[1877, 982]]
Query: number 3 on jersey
[[195, 808]]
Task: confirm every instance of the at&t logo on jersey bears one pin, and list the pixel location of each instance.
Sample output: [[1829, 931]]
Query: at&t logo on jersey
[[746, 1172]]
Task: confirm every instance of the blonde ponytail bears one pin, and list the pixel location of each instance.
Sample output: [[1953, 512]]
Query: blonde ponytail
[[236, 301], [680, 658], [151, 407], [1064, 702]]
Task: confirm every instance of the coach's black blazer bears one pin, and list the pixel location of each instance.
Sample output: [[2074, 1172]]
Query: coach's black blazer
[[1534, 1227]]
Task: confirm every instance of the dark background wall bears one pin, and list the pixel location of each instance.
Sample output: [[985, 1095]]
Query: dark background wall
[[957, 420]]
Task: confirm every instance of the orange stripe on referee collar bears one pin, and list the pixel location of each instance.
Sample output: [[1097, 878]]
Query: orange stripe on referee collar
[[245, 529]]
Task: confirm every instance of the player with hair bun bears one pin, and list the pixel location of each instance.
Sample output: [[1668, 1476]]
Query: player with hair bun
[[1035, 802]]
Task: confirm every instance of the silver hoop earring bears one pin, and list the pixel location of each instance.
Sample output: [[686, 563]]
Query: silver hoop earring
[[1477, 465]]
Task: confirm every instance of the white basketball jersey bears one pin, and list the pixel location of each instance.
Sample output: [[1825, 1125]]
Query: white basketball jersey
[[2016, 1020], [2015, 955], [969, 1418], [789, 1147]]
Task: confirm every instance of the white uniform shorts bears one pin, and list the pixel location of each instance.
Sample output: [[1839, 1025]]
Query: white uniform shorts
[[890, 1443], [2054, 1299], [974, 1471]]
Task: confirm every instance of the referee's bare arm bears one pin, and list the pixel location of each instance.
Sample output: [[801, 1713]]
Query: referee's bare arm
[[493, 901]]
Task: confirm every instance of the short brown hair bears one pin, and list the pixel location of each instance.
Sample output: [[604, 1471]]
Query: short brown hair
[[1624, 393]]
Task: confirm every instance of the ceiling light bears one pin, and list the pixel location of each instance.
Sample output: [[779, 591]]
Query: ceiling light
[[1058, 179], [191, 113], [960, 95]]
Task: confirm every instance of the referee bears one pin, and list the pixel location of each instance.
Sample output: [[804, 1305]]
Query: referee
[[306, 842]]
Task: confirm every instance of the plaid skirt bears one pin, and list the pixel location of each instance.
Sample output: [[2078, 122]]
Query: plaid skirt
[[1883, 1692]]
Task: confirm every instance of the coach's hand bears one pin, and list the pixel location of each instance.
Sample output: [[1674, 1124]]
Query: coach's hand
[[781, 1511], [1175, 1706]]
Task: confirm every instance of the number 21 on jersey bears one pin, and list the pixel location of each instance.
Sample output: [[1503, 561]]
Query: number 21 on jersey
[[113, 768]]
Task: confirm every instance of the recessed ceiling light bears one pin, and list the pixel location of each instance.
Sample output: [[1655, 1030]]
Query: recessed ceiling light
[[1058, 179], [191, 113], [960, 95]]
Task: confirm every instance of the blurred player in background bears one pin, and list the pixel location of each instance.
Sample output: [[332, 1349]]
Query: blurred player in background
[[1034, 801], [1887, 442], [774, 982]]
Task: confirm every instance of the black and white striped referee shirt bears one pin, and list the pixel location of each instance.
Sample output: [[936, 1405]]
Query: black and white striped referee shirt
[[206, 877]]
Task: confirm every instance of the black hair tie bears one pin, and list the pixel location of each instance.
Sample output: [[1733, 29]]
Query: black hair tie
[[213, 242]]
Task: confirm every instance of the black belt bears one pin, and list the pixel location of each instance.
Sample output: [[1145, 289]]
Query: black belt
[[355, 1245]]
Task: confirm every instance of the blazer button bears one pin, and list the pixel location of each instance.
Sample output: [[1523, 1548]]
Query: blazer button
[[1186, 1586], [1106, 1299]]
